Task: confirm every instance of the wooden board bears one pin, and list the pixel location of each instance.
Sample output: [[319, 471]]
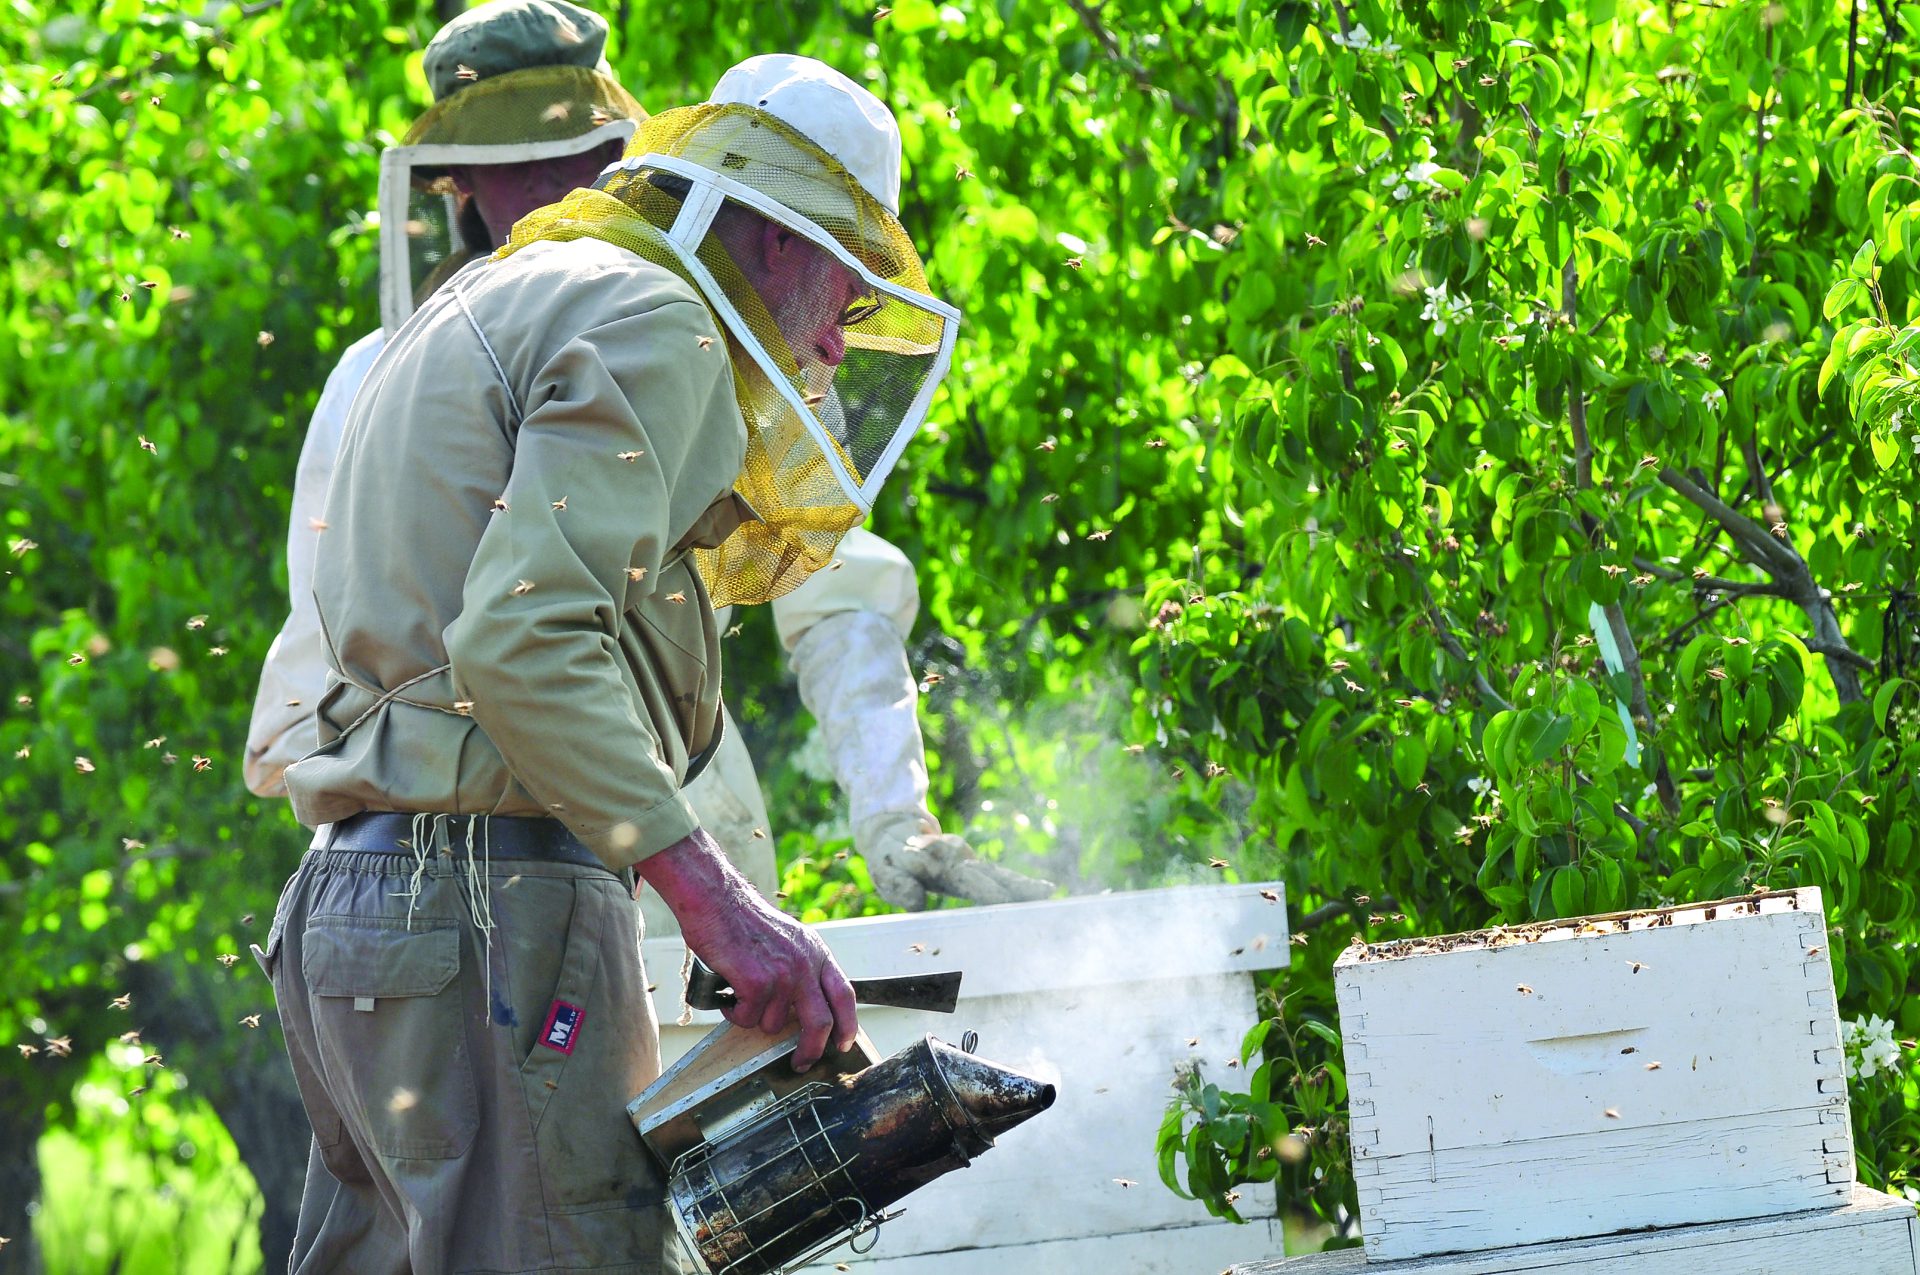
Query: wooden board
[[1873, 1234], [1174, 1250], [1509, 1094], [1044, 987], [1055, 945]]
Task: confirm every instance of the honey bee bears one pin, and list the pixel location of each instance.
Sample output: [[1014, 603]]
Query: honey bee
[[560, 505], [250, 1020], [521, 589]]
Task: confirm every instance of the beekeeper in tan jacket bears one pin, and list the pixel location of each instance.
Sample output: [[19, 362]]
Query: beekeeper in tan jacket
[[525, 110], [676, 390]]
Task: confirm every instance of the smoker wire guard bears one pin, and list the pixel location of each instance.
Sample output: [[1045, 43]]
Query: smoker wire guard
[[866, 1220]]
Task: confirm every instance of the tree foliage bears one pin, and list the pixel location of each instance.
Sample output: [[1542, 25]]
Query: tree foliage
[[1341, 381], [1575, 568]]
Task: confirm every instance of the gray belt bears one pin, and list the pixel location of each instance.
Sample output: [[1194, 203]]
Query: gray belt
[[503, 836]]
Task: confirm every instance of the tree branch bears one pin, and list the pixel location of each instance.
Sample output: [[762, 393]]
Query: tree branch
[[1583, 479], [1791, 580], [1837, 651], [1110, 48]]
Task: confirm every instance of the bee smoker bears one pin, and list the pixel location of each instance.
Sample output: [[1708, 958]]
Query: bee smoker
[[767, 1169]]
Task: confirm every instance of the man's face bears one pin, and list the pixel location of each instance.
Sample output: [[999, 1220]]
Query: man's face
[[504, 193], [808, 292]]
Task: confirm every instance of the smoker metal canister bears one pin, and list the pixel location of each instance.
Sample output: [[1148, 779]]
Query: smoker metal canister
[[821, 1165]]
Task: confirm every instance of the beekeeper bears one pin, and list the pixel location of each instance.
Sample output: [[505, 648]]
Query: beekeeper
[[525, 111], [676, 391]]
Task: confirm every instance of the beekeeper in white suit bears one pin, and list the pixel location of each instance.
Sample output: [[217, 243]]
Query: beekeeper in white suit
[[526, 109]]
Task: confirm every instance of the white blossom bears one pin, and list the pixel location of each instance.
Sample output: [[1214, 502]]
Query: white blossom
[[1354, 39], [1480, 785], [1420, 173], [1442, 309], [1870, 1047], [1714, 399]]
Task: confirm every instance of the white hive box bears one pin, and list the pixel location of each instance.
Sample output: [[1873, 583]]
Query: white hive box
[[1873, 1234], [1504, 1088], [1099, 995]]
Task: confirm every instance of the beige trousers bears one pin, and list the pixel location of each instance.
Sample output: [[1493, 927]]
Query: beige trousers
[[466, 1035]]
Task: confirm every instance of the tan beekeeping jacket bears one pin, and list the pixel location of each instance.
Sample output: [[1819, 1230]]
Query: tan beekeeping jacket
[[510, 616]]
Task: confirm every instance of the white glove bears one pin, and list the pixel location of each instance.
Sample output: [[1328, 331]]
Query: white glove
[[855, 680], [909, 857]]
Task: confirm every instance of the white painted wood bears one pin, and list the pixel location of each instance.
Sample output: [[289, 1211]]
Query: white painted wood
[[1175, 1250], [1503, 1092], [1873, 1234], [1049, 946], [1099, 995]]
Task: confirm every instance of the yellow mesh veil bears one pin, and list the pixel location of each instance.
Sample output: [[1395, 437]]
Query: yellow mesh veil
[[832, 377], [428, 230]]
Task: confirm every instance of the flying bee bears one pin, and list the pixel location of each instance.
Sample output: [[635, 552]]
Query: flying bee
[[227, 959], [521, 589], [250, 1020], [629, 457], [464, 72], [122, 1001], [560, 505], [1100, 535], [676, 597]]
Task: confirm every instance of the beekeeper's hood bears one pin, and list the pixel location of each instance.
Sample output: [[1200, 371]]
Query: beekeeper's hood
[[513, 81], [778, 200]]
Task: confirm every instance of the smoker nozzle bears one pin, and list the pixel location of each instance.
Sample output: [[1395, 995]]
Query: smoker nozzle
[[996, 1098]]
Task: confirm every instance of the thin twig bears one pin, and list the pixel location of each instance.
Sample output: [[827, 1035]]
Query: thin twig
[[1110, 48]]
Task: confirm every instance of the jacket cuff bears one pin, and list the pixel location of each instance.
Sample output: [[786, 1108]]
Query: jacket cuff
[[628, 842]]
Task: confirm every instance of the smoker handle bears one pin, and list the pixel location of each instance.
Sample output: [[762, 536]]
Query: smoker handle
[[938, 993]]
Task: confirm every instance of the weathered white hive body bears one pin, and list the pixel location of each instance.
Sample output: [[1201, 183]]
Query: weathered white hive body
[[1549, 1083], [1874, 1234], [1100, 995], [1656, 1093]]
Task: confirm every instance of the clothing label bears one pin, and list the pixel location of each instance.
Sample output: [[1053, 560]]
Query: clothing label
[[563, 1027]]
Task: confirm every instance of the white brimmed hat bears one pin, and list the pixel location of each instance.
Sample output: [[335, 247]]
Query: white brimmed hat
[[830, 110]]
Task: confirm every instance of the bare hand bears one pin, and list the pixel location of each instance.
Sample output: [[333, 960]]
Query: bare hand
[[779, 970]]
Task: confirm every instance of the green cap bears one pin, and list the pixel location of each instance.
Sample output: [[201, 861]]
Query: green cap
[[514, 35]]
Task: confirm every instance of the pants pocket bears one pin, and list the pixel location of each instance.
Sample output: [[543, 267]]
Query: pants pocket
[[387, 1020], [595, 1048]]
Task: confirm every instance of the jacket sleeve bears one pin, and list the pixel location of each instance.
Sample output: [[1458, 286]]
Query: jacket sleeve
[[873, 576], [536, 647], [281, 730]]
